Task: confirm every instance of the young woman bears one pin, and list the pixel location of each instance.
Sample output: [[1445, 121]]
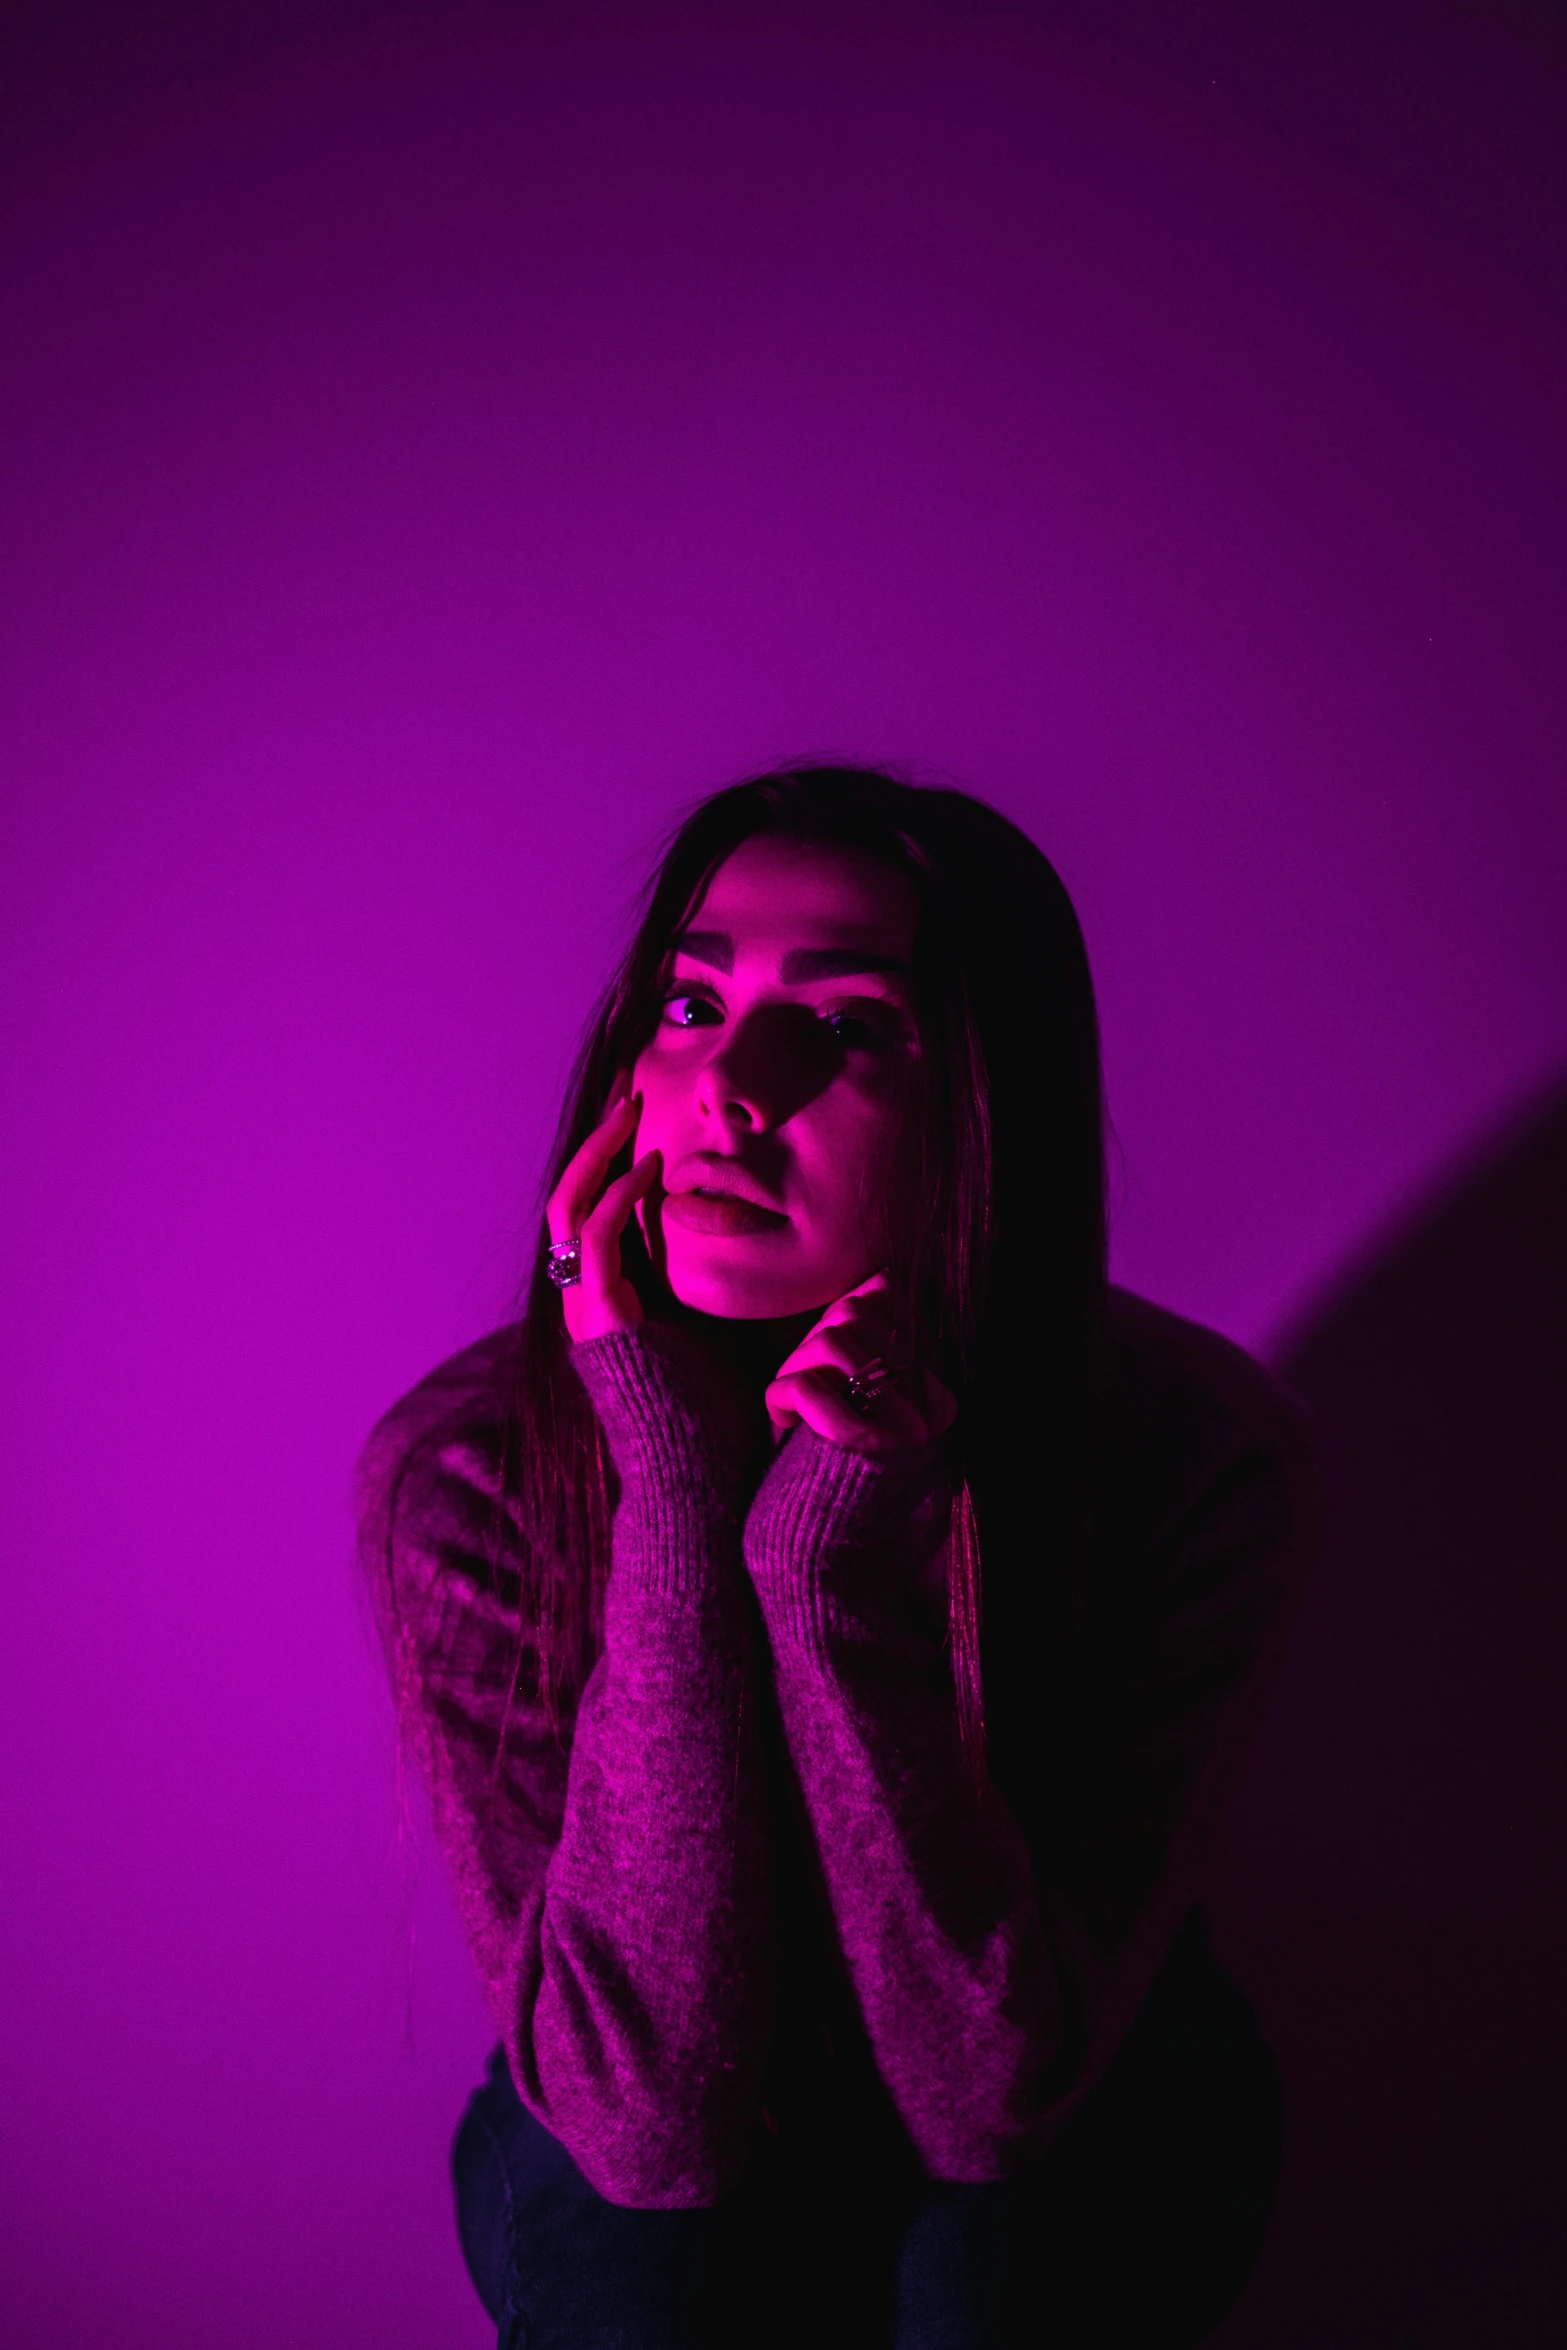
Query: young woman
[[827, 1624]]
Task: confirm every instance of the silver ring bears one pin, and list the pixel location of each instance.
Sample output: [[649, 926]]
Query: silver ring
[[565, 1265], [866, 1384]]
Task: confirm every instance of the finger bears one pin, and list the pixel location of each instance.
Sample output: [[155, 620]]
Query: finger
[[588, 1166], [615, 1205], [844, 1347], [875, 1285], [861, 1325], [908, 1409], [856, 1314], [583, 1179], [602, 1298], [782, 1420], [817, 1398], [603, 1225], [880, 1298]]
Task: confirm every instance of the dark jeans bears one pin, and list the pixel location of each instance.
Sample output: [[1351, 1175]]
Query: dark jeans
[[1141, 2226]]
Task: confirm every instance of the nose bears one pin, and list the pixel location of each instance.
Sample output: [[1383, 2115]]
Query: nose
[[767, 1067]]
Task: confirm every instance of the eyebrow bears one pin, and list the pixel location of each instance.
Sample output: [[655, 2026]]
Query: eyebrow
[[717, 949]]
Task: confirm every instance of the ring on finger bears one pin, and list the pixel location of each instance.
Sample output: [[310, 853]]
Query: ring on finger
[[565, 1261], [866, 1384]]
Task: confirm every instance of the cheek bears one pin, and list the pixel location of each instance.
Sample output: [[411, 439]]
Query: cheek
[[647, 1078], [862, 1157], [665, 1123], [896, 1160]]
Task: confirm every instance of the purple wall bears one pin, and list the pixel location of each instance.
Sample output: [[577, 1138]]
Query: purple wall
[[436, 441]]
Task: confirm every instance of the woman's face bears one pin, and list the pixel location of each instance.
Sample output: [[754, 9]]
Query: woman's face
[[779, 1083]]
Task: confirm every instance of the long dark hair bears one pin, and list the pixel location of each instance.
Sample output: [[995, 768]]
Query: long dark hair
[[1010, 1269]]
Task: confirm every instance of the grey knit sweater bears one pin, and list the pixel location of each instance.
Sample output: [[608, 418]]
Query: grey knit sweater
[[750, 1886]]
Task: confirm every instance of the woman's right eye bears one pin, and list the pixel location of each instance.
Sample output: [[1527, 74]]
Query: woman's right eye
[[680, 1003]]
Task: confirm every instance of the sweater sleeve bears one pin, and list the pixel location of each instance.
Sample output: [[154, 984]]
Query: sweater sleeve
[[618, 1894], [930, 1881], [996, 1966]]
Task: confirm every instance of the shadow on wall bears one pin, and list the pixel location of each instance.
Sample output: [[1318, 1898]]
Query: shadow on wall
[[1392, 1884]]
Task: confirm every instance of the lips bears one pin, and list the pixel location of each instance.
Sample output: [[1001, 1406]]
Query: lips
[[710, 1171], [715, 1209]]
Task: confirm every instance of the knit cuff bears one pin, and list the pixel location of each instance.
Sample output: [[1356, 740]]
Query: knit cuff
[[833, 1532], [674, 1437]]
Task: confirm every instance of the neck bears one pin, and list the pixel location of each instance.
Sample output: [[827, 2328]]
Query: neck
[[753, 1350]]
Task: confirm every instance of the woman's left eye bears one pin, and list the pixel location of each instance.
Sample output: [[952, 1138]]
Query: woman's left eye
[[851, 1030]]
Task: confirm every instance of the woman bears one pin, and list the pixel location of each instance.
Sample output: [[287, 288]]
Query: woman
[[835, 1902]]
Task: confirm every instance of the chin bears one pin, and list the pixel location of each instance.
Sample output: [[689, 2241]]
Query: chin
[[746, 1293]]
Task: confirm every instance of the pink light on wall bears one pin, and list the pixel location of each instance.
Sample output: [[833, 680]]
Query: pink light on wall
[[436, 443]]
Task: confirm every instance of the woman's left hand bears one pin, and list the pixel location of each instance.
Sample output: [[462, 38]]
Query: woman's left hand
[[866, 1325]]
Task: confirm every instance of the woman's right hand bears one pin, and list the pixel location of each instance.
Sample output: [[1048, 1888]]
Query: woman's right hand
[[583, 1206]]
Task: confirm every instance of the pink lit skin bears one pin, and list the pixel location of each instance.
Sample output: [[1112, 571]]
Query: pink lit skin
[[771, 1116]]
